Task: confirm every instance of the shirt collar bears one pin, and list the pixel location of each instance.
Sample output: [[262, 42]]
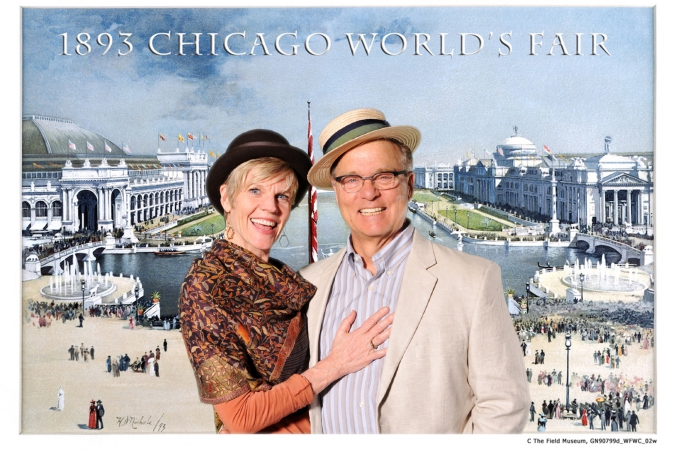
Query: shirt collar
[[384, 258]]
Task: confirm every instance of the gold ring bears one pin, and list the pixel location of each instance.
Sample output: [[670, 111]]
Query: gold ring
[[373, 346]]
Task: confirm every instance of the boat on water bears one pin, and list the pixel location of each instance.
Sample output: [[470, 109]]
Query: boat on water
[[168, 251]]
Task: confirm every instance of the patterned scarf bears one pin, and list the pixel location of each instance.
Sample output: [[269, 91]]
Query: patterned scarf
[[241, 318]]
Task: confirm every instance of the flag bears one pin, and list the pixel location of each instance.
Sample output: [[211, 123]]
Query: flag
[[125, 147], [312, 197], [211, 152], [37, 165], [107, 147], [162, 137], [487, 152], [191, 137], [206, 138], [90, 146], [71, 145], [545, 148], [180, 138], [500, 151]]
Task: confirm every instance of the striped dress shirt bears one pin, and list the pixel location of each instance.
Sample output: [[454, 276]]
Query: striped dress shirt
[[349, 404]]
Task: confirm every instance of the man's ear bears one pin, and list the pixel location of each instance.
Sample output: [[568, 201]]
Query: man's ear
[[411, 184], [225, 202]]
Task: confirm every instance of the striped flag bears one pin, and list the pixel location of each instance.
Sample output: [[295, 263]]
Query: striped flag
[[545, 148], [312, 197], [500, 151], [125, 147], [71, 145], [107, 147], [90, 146]]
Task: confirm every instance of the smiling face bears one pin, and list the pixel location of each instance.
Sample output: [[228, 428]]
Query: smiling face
[[374, 216], [258, 213]]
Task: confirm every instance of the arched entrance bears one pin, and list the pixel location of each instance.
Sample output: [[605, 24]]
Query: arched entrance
[[116, 208], [86, 210]]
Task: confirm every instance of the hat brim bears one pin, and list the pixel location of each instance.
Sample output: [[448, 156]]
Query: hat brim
[[320, 173], [224, 165]]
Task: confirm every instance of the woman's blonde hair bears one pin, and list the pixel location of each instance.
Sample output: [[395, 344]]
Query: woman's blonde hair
[[266, 168]]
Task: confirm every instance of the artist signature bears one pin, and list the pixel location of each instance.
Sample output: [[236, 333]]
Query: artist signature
[[143, 421]]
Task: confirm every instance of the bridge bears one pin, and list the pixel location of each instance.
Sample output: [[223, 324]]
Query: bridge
[[48, 265], [627, 252]]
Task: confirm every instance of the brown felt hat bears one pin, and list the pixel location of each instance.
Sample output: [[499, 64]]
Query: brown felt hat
[[255, 144], [351, 129]]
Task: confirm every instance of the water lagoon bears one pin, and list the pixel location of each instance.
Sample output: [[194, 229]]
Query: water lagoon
[[165, 275]]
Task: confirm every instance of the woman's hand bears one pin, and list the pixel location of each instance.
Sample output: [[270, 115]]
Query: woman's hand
[[352, 351]]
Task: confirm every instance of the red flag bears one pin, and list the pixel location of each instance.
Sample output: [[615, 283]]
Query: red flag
[[312, 197], [71, 145], [547, 149], [162, 137], [191, 137], [107, 147], [500, 151]]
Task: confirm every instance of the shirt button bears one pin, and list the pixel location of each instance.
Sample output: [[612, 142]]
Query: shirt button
[[389, 272], [361, 405], [370, 288]]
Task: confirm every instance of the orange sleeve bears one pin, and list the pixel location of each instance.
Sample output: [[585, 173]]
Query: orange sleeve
[[255, 411]]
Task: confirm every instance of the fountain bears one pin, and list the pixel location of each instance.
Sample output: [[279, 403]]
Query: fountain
[[66, 285], [602, 278]]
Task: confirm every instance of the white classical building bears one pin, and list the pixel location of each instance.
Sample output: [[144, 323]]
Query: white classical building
[[75, 179], [602, 188], [438, 177]]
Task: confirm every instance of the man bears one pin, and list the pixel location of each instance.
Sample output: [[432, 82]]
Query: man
[[532, 411], [99, 415], [633, 421], [453, 361], [164, 344]]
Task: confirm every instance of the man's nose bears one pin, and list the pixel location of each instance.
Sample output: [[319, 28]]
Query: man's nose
[[368, 190]]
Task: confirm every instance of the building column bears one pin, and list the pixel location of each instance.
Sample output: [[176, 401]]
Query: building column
[[615, 208], [629, 218]]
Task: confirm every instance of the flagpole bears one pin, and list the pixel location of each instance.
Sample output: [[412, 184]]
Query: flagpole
[[312, 198]]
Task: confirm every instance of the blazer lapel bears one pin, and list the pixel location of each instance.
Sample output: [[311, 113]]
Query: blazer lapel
[[315, 313], [416, 290]]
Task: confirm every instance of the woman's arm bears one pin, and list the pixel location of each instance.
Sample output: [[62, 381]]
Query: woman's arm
[[351, 352]]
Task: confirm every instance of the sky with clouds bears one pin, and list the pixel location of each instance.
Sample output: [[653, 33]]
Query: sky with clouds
[[461, 103]]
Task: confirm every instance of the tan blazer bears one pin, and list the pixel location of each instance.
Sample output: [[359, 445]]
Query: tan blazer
[[453, 364]]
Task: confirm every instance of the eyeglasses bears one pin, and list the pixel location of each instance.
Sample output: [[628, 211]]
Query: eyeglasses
[[381, 181]]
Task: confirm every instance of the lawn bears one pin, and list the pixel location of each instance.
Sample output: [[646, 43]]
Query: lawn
[[476, 221], [202, 227], [425, 197]]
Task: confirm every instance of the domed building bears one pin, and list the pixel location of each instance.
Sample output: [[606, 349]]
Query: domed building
[[74, 179], [515, 151], [606, 188]]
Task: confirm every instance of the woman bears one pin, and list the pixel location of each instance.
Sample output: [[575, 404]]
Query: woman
[[584, 417], [92, 415], [243, 313]]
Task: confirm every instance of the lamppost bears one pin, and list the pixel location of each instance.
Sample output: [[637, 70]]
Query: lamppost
[[136, 305], [468, 220], [82, 285], [568, 344], [212, 229], [581, 287], [527, 295]]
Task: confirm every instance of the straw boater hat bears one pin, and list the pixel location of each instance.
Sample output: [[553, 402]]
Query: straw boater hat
[[257, 144], [351, 129]]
